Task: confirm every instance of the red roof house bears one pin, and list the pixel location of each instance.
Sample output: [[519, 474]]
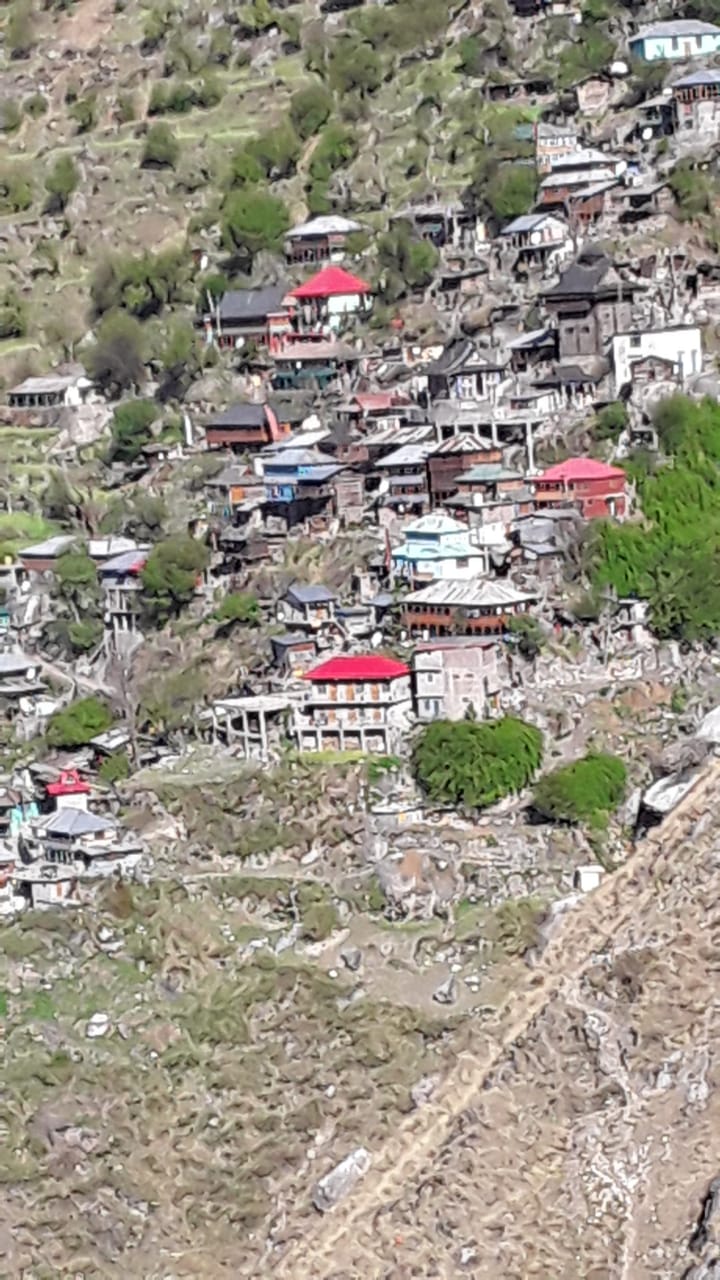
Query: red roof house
[[359, 703], [330, 294], [331, 282], [597, 489], [69, 790]]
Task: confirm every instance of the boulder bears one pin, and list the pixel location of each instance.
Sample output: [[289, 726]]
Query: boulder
[[340, 1181]]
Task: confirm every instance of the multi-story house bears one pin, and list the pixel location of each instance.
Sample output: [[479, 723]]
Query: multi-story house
[[307, 607], [463, 373], [355, 703], [696, 104], [645, 355], [322, 239], [404, 481], [455, 675], [590, 303], [68, 845], [245, 428], [552, 141], [438, 547], [120, 579], [301, 483], [262, 315], [478, 608], [594, 488], [450, 459], [536, 236]]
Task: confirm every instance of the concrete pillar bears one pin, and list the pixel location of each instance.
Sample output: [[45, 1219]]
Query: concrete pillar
[[262, 720], [245, 733]]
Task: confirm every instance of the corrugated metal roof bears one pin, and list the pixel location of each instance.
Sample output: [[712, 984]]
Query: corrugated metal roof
[[473, 594]]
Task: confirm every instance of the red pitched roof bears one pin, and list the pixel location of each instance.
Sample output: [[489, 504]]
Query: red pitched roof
[[576, 469], [68, 784], [379, 400], [329, 283], [369, 667]]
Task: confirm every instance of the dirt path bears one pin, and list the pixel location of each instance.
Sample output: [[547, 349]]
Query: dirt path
[[584, 933]]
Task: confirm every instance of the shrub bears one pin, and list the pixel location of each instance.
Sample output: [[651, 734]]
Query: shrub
[[114, 768], [16, 193], [83, 112], [10, 115], [35, 106], [126, 108], [276, 151], [20, 30], [511, 190], [131, 428], [254, 220], [85, 635], [407, 263], [527, 634], [143, 286], [611, 421], [336, 148], [60, 183], [13, 315], [309, 109], [587, 790], [116, 360], [171, 575], [161, 150], [77, 723], [241, 607], [475, 764]]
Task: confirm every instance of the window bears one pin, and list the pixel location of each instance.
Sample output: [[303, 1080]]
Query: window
[[462, 563], [675, 44], [635, 341]]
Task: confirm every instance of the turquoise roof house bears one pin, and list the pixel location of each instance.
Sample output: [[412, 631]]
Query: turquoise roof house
[[676, 41]]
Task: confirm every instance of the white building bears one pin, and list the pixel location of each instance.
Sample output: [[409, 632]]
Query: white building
[[454, 674], [650, 355], [68, 387], [359, 703]]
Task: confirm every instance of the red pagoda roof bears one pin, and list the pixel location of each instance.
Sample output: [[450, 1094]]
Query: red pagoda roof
[[329, 283], [371, 667], [68, 784], [576, 469]]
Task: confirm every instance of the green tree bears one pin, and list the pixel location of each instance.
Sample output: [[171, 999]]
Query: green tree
[[611, 421], [20, 30], [527, 634], [84, 112], [253, 220], [161, 150], [353, 66], [143, 285], [76, 574], [587, 790], [60, 183], [245, 169], [406, 262], [277, 151], [475, 764], [695, 190], [85, 634], [337, 147], [13, 315], [16, 193], [116, 359], [310, 108], [171, 574], [35, 105], [10, 115], [114, 768], [130, 428], [511, 190], [239, 607], [76, 724]]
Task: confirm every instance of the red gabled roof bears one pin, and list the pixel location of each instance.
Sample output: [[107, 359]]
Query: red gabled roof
[[369, 667], [68, 784], [329, 283], [575, 469]]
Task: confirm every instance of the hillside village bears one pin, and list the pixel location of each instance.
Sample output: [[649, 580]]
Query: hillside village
[[363, 562]]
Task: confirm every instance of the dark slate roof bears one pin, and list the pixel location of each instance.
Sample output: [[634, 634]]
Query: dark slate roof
[[240, 415], [289, 639], [583, 276], [251, 304], [453, 357], [309, 593]]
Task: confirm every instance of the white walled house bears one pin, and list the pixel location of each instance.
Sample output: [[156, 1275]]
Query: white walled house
[[647, 355], [66, 388], [359, 703], [452, 675], [438, 547]]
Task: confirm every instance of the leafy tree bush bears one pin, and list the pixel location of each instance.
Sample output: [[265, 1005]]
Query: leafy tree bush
[[161, 150], [239, 607], [60, 183], [114, 768], [406, 262], [253, 220], [472, 56], [35, 106], [476, 764], [171, 575], [10, 115], [116, 360], [126, 108], [77, 723], [353, 66], [130, 428], [20, 30], [336, 148], [245, 169], [84, 112], [13, 315], [586, 791], [527, 634], [673, 562], [76, 574], [511, 190], [277, 151], [611, 421], [143, 286], [16, 193], [695, 190], [85, 635], [310, 108]]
